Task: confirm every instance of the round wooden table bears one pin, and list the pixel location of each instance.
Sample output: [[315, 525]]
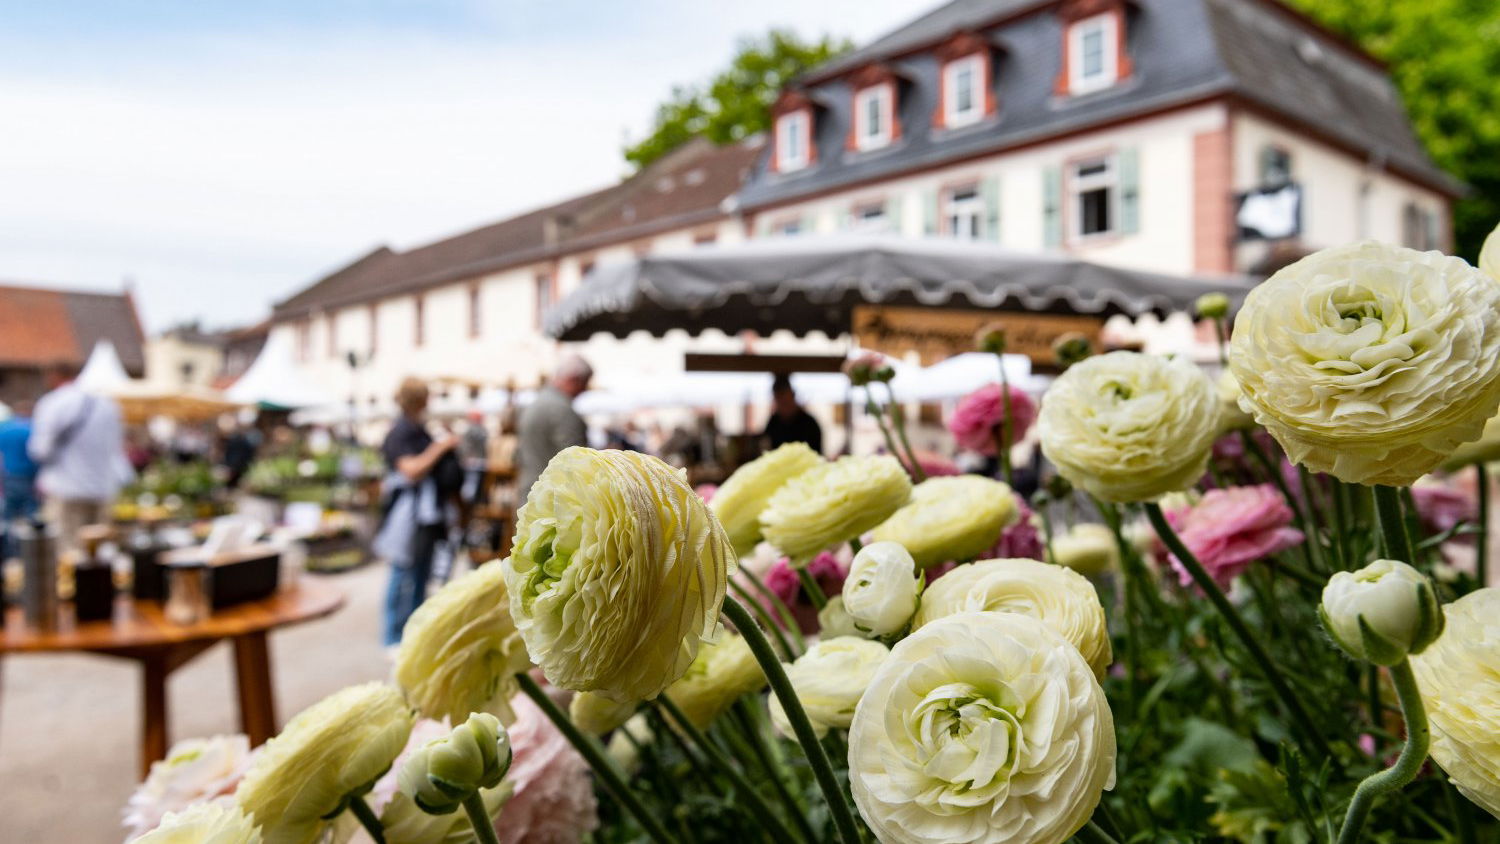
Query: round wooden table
[[141, 633]]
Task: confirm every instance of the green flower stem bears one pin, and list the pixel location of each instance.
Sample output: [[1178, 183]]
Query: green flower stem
[[757, 804], [898, 422], [1223, 337], [890, 441], [484, 828], [843, 818], [1128, 608], [1408, 764], [1392, 526], [1002, 449], [1482, 539], [1094, 834], [749, 727], [367, 819], [765, 615], [1314, 523], [1237, 624], [608, 775], [811, 588], [1458, 806], [788, 621]]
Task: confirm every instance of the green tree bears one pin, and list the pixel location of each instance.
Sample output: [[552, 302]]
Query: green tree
[[736, 103], [1445, 58]]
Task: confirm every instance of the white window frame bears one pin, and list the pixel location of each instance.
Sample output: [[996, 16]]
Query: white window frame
[[871, 218], [1079, 184], [952, 116], [972, 209], [884, 95], [787, 228], [1107, 25], [789, 126]]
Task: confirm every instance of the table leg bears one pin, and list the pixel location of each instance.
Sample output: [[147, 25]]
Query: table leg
[[252, 667], [154, 671]]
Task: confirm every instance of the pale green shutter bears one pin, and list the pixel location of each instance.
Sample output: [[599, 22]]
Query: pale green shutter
[[989, 190], [1052, 222], [893, 214], [930, 213], [809, 223], [763, 225], [1130, 192]]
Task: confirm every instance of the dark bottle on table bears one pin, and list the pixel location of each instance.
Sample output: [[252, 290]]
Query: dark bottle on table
[[93, 590]]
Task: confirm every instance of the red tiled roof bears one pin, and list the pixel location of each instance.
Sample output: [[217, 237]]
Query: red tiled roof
[[42, 327], [686, 187]]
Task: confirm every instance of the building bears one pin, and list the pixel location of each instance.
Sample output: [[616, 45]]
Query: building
[[1182, 136], [1191, 137], [469, 307], [190, 356], [42, 328]]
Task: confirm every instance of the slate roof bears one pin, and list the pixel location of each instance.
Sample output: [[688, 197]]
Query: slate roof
[[688, 186], [45, 327], [1183, 51]]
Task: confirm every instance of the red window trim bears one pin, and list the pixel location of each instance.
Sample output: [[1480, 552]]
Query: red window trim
[[961, 46], [419, 315], [793, 102], [476, 324], [1074, 11], [862, 80]]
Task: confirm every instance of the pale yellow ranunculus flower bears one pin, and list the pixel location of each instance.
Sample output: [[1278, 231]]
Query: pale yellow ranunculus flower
[[335, 748], [597, 714], [740, 500], [1232, 417], [1127, 427], [833, 503], [1486, 449], [724, 671], [981, 727], [460, 651], [830, 678], [1489, 254], [951, 518], [1059, 597], [618, 573], [1459, 677], [1371, 362], [1088, 548], [205, 823]]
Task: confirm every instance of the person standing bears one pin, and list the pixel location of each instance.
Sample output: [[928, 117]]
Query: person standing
[[17, 474], [789, 422], [78, 443], [550, 424], [423, 475]]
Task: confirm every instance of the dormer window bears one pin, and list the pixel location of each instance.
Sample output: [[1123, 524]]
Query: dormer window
[[1093, 53], [793, 140], [873, 109], [963, 93]]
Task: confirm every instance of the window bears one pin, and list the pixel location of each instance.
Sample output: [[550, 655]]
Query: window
[[872, 116], [787, 228], [475, 323], [963, 215], [374, 331], [1275, 167], [419, 313], [792, 141], [1095, 197], [963, 95], [304, 341], [333, 333], [585, 268], [544, 294], [1093, 45], [870, 219], [704, 238], [1418, 227]]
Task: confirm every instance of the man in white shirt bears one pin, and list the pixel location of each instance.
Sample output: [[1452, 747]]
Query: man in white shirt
[[78, 442]]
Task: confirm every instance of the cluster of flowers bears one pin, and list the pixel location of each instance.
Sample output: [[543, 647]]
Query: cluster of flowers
[[969, 705]]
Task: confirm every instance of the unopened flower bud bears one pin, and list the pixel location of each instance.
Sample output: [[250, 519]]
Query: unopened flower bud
[[1212, 306], [867, 368], [1070, 348], [443, 773], [990, 338], [1381, 613]]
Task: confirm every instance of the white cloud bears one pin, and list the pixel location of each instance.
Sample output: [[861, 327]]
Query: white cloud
[[225, 171]]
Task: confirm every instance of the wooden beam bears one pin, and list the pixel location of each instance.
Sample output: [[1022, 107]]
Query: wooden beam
[[696, 362]]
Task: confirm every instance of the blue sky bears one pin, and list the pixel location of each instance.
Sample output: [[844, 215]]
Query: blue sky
[[221, 155]]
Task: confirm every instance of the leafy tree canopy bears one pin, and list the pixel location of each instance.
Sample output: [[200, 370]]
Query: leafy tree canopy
[[736, 103], [1445, 58]]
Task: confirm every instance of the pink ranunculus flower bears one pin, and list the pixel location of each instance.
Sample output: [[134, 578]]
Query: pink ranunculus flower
[[978, 415], [1228, 529], [553, 802], [936, 465], [1021, 539], [706, 491], [827, 568], [1441, 505]]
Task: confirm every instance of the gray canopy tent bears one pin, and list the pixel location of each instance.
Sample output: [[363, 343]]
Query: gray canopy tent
[[810, 284]]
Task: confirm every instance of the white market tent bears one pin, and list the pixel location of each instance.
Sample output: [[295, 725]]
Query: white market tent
[[102, 373], [273, 380]]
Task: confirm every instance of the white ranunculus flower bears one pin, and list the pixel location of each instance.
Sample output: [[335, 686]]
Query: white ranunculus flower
[[1382, 612], [1088, 548], [1489, 254], [1371, 362], [195, 770], [1059, 597], [1130, 427], [206, 823], [882, 588], [1232, 417], [981, 728], [834, 620], [829, 680], [1486, 449], [1460, 685], [951, 518]]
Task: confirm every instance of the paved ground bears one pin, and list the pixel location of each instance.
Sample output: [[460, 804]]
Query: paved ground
[[69, 725]]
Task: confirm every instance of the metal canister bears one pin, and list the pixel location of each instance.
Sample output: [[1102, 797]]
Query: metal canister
[[189, 595], [38, 545]]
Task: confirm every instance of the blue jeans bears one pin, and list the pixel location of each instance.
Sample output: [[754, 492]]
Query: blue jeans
[[19, 503], [408, 587]]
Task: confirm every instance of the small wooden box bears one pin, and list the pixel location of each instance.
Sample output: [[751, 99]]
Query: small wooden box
[[235, 577]]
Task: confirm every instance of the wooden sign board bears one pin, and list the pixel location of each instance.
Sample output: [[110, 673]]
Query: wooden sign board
[[939, 333]]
